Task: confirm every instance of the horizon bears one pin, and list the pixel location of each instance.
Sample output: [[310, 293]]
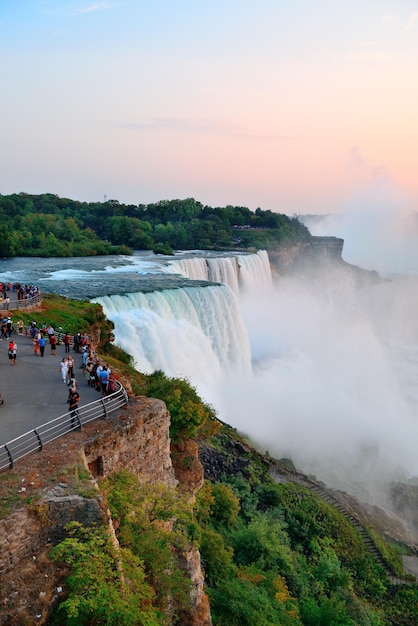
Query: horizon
[[301, 109]]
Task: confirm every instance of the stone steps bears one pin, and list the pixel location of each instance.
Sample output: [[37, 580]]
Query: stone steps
[[281, 473]]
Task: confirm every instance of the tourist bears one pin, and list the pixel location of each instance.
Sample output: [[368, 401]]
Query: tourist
[[36, 350], [42, 342], [104, 380], [70, 366], [67, 341], [9, 326], [53, 342], [12, 350], [64, 370], [73, 400], [90, 373]]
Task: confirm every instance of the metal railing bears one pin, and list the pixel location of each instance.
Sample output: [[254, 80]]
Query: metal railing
[[34, 440], [20, 304]]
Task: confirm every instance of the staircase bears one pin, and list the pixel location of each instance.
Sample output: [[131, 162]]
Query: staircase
[[280, 473]]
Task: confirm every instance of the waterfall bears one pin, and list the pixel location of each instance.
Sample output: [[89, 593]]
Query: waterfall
[[194, 332], [240, 272]]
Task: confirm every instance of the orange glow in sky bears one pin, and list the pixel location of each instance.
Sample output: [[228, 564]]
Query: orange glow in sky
[[291, 107]]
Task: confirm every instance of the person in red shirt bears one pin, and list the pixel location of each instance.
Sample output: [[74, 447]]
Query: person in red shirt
[[12, 350]]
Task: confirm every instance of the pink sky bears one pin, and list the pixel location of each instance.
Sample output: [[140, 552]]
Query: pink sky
[[296, 107]]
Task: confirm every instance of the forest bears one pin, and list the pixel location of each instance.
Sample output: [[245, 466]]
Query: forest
[[49, 226]]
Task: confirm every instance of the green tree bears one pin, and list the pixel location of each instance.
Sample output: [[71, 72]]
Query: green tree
[[105, 587]]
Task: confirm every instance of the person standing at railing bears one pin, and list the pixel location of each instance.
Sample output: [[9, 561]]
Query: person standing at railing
[[104, 380], [73, 400]]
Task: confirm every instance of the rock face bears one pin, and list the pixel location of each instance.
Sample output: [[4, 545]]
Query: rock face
[[319, 256], [316, 251], [140, 443], [68, 482]]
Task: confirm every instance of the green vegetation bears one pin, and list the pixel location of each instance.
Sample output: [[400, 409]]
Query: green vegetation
[[278, 554], [49, 226], [105, 586], [144, 581], [72, 315], [189, 415], [273, 554]]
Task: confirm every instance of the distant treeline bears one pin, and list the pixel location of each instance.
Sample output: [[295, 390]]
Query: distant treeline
[[47, 225]]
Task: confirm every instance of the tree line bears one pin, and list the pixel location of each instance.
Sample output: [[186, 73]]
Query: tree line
[[49, 226]]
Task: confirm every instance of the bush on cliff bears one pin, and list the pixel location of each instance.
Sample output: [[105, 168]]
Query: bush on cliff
[[105, 586], [189, 414]]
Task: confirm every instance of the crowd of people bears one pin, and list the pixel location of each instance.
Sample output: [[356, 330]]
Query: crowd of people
[[96, 372], [16, 291]]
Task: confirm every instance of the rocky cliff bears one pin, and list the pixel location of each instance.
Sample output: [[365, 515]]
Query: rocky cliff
[[315, 251], [62, 484], [310, 257]]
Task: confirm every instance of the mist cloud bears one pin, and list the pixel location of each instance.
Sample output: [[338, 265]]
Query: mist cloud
[[332, 386]]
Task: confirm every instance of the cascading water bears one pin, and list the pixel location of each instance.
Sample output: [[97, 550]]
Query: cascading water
[[241, 272], [196, 332]]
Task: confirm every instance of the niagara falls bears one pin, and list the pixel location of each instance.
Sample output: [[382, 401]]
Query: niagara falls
[[322, 370]]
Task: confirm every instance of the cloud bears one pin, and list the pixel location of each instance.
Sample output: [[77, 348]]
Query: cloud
[[199, 126], [363, 171], [77, 9], [412, 21]]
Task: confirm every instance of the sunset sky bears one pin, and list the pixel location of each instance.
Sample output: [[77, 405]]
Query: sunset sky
[[298, 107]]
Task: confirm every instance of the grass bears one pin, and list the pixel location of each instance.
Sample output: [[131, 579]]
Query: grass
[[10, 495], [72, 315]]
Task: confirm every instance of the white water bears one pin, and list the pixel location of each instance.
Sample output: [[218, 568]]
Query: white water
[[240, 273], [195, 332], [332, 381]]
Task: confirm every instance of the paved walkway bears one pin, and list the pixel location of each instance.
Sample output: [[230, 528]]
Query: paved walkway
[[33, 390]]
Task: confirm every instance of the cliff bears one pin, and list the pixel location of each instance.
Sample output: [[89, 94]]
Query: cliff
[[62, 484], [313, 255], [317, 250]]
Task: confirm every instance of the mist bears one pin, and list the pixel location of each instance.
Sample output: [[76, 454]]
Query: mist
[[379, 227], [333, 383]]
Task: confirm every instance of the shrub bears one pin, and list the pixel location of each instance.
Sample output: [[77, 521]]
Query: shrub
[[99, 593], [188, 412]]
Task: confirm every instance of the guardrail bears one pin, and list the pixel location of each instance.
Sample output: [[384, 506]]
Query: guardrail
[[25, 303], [34, 440]]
